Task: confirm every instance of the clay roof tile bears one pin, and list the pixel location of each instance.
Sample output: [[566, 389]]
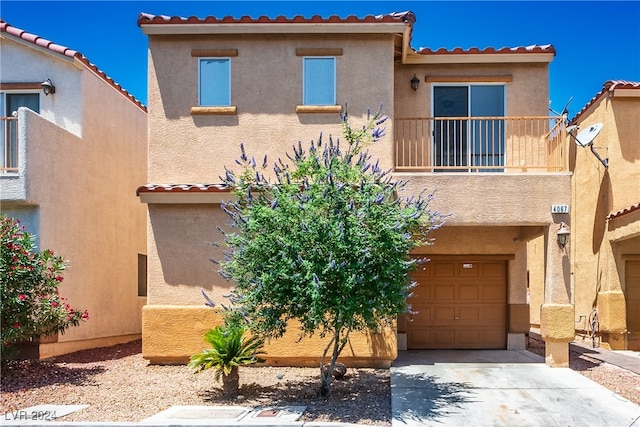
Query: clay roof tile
[[488, 50], [624, 211], [608, 87]]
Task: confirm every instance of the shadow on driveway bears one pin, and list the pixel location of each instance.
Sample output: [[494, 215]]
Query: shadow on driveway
[[436, 399]]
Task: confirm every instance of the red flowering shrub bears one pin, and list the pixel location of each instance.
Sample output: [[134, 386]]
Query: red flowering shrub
[[30, 303]]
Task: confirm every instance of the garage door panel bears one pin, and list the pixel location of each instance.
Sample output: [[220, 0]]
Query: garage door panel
[[467, 269], [443, 315], [493, 269], [422, 314], [493, 314], [420, 337], [443, 269], [633, 316], [493, 292], [444, 292], [632, 297], [493, 338], [467, 315], [467, 338], [445, 337], [469, 292]]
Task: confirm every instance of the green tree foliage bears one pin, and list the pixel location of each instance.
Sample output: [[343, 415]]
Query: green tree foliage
[[327, 243], [30, 303]]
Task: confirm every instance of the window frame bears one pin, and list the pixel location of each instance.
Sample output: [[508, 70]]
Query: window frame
[[229, 81], [4, 103], [333, 76], [469, 133]]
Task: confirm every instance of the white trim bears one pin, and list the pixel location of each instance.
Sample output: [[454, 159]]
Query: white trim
[[205, 58]]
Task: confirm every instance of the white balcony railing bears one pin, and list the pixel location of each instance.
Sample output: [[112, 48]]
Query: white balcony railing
[[9, 147], [480, 144]]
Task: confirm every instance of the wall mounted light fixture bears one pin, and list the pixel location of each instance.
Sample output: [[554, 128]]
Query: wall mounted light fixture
[[563, 234], [48, 87], [415, 82]]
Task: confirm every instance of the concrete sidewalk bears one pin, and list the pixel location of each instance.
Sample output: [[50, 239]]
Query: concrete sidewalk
[[629, 360], [499, 388]]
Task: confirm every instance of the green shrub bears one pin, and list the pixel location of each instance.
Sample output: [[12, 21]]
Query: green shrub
[[30, 303], [231, 347]]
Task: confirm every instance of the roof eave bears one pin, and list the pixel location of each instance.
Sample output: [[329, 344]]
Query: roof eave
[[42, 49], [479, 58], [624, 92], [274, 28]]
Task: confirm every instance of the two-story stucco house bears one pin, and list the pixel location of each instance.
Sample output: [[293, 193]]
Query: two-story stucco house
[[471, 125], [606, 216], [73, 148]]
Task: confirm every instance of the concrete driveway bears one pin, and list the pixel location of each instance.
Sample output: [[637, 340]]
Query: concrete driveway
[[499, 388]]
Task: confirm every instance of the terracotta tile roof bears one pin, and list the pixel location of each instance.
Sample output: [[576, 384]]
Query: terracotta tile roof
[[65, 51], [147, 19], [182, 188], [608, 87], [547, 48], [624, 211]]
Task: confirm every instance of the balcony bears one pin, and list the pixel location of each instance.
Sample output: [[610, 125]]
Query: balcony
[[9, 150], [480, 144]]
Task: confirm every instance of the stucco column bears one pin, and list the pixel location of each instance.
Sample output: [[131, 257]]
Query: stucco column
[[557, 313], [612, 309], [519, 322]]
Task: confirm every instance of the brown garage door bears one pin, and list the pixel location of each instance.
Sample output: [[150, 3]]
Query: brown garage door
[[632, 295], [460, 305]]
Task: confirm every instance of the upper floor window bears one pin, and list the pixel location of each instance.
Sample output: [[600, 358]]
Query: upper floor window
[[214, 82], [319, 81], [10, 102]]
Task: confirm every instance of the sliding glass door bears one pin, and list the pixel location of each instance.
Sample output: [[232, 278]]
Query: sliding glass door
[[468, 128]]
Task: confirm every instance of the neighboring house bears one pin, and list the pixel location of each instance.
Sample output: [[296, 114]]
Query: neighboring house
[[606, 215], [71, 158], [471, 125]]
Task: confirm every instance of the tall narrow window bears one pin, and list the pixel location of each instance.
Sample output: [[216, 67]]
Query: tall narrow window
[[214, 81], [319, 84], [9, 104]]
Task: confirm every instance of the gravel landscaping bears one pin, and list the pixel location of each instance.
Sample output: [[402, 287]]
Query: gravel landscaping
[[119, 385]]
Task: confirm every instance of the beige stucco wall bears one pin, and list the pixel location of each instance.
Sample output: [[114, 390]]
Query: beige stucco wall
[[266, 88], [176, 318], [494, 215], [535, 276], [494, 199], [526, 95], [84, 190], [599, 245]]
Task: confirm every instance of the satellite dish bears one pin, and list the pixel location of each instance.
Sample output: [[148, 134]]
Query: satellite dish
[[585, 139], [586, 136]]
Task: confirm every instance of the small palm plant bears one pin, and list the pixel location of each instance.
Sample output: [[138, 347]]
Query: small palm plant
[[231, 348]]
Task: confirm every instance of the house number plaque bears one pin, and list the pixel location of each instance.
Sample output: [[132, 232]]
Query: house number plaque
[[559, 209]]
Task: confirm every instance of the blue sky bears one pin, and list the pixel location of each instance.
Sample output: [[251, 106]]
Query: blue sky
[[595, 41]]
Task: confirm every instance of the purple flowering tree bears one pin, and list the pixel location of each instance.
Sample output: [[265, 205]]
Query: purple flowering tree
[[326, 242]]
